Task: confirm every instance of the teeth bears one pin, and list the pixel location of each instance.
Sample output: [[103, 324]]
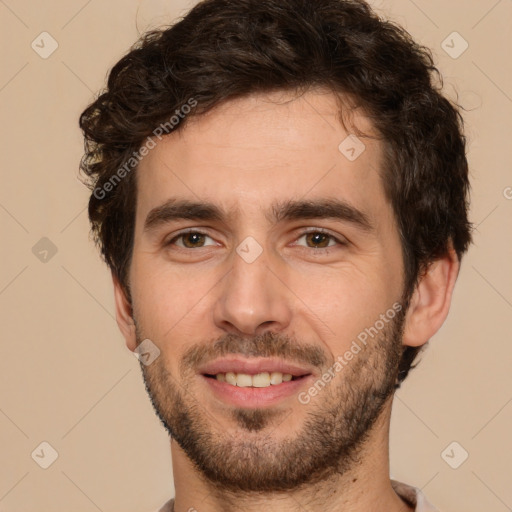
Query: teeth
[[260, 380], [231, 378], [243, 380], [276, 378]]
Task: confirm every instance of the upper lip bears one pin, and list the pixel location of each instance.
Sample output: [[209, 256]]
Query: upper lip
[[253, 366]]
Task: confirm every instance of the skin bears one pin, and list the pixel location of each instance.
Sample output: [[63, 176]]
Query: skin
[[244, 156]]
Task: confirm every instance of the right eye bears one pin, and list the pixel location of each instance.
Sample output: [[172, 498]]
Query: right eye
[[190, 240]]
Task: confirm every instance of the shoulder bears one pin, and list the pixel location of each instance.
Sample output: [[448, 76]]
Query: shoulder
[[167, 507], [413, 497]]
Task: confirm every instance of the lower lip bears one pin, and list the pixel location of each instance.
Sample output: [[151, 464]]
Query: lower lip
[[254, 397]]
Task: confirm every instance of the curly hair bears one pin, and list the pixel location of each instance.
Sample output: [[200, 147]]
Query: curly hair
[[226, 49]]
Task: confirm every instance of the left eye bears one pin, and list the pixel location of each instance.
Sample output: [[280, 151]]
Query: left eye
[[319, 239]]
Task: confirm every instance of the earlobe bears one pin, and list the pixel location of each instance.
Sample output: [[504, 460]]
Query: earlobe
[[431, 300], [124, 314]]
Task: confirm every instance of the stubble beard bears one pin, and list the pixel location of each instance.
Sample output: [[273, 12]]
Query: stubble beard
[[337, 423]]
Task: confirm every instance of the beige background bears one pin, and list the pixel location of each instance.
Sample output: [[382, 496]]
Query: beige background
[[67, 377]]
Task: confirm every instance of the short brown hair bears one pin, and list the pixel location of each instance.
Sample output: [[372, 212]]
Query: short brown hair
[[226, 49]]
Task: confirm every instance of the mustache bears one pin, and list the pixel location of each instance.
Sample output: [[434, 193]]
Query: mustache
[[268, 344]]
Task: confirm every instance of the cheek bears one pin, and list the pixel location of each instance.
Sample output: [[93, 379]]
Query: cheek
[[170, 301], [343, 302]]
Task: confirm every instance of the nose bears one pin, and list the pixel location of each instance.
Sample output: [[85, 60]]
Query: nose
[[253, 298]]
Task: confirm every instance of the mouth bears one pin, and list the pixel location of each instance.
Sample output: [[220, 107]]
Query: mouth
[[253, 382], [258, 380]]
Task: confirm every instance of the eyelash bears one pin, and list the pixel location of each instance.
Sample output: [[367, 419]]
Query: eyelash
[[303, 233]]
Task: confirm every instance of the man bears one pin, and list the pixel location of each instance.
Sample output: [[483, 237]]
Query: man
[[281, 192]]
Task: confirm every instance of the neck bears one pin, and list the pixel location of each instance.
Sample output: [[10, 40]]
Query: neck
[[365, 486]]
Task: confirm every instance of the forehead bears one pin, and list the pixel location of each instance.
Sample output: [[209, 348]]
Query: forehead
[[264, 149]]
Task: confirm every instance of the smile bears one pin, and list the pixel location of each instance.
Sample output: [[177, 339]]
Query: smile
[[259, 380]]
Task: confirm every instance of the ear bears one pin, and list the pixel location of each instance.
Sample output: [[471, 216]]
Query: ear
[[124, 315], [431, 300]]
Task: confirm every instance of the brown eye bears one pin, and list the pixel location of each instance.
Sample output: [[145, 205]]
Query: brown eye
[[318, 239], [193, 239], [190, 240]]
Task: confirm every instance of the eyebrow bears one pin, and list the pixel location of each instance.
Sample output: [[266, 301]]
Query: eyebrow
[[290, 210]]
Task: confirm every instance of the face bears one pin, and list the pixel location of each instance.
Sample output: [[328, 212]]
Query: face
[[262, 252]]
